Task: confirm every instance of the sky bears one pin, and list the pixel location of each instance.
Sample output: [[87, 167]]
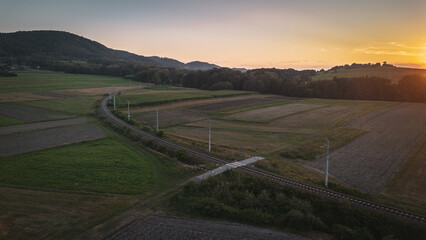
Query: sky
[[298, 34]]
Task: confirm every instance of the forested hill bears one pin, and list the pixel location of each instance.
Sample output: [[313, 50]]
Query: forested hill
[[32, 47]]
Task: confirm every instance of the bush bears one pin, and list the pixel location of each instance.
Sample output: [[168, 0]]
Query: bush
[[180, 155], [159, 133]]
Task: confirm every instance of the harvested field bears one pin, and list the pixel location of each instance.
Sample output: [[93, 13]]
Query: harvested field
[[29, 214], [270, 113], [37, 140], [42, 125], [170, 117], [370, 161], [249, 126], [166, 227], [21, 97], [325, 116], [29, 114], [228, 104]]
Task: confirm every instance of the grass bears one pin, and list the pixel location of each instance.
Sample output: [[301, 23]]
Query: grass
[[311, 147], [74, 105], [160, 87], [5, 121], [101, 166], [167, 97], [42, 81]]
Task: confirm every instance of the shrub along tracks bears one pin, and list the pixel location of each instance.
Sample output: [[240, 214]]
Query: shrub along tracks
[[260, 173]]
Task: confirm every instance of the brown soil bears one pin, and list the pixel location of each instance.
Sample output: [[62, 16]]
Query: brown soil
[[370, 161], [158, 227], [38, 140], [170, 117]]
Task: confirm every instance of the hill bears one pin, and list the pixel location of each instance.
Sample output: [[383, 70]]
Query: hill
[[386, 71], [40, 46]]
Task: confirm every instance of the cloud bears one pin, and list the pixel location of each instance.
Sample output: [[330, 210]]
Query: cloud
[[393, 48]]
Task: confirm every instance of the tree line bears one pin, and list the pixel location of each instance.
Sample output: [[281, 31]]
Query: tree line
[[289, 82]]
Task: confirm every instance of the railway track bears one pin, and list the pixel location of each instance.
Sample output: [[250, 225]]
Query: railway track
[[260, 173]]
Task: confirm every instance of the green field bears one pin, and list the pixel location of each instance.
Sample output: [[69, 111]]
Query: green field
[[149, 97], [102, 166], [42, 81], [53, 91], [394, 74], [74, 105]]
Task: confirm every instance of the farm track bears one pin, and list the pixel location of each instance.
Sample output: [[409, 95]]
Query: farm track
[[260, 173]]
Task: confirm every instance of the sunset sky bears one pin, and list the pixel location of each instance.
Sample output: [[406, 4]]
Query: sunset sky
[[242, 33]]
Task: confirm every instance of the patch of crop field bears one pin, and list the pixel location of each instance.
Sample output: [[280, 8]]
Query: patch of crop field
[[21, 97], [74, 105], [36, 140], [30, 214], [244, 141], [394, 74], [97, 91], [100, 166], [268, 114], [230, 104], [249, 126], [5, 121], [162, 87], [29, 113], [370, 162], [170, 117], [191, 103], [160, 97], [337, 113], [410, 181], [43, 81], [42, 125]]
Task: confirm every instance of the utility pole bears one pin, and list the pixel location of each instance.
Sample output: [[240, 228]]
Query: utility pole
[[114, 102], [210, 136], [326, 166], [157, 120], [110, 94], [128, 111]]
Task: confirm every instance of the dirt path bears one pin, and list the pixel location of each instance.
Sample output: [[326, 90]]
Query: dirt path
[[41, 125], [369, 162], [37, 140], [166, 227]]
